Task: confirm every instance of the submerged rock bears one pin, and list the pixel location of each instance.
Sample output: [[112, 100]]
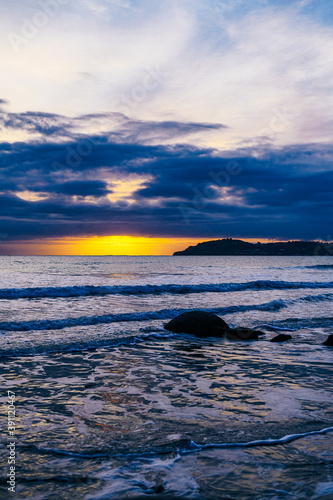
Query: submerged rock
[[282, 337], [329, 341], [243, 334], [199, 323]]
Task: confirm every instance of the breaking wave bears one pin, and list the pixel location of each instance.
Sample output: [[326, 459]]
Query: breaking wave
[[90, 290], [58, 324], [163, 314]]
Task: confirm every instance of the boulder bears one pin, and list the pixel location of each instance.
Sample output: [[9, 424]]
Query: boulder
[[199, 323], [243, 334], [329, 341], [282, 337]]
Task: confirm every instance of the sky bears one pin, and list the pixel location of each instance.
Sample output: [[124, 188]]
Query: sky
[[139, 127]]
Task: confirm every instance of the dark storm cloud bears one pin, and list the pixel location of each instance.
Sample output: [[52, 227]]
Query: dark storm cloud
[[186, 190], [75, 188]]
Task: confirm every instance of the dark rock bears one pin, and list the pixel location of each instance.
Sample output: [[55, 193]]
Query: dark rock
[[329, 341], [282, 337], [199, 323], [243, 334]]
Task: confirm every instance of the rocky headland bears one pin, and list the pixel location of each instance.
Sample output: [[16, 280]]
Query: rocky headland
[[228, 246]]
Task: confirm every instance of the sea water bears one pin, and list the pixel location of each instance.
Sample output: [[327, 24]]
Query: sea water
[[109, 405]]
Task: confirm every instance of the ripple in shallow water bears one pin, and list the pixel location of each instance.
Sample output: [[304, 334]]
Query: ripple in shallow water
[[109, 423]]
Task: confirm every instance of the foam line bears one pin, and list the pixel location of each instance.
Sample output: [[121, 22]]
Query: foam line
[[193, 447]]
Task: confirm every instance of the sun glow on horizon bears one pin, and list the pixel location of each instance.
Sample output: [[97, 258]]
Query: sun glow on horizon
[[106, 245], [99, 245]]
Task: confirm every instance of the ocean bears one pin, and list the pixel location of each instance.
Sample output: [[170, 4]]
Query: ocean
[[109, 405]]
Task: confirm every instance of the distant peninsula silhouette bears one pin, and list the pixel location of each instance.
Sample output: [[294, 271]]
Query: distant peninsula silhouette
[[228, 246]]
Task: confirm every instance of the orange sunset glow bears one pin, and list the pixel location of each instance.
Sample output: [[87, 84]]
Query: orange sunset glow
[[105, 245]]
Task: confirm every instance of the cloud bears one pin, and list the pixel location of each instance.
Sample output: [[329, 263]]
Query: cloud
[[117, 126], [43, 123], [262, 67], [172, 189], [75, 188], [152, 131]]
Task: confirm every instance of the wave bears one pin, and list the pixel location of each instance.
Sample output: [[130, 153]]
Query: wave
[[84, 344], [91, 290], [163, 314], [260, 442], [187, 448], [59, 324], [316, 298], [294, 324], [318, 266]]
